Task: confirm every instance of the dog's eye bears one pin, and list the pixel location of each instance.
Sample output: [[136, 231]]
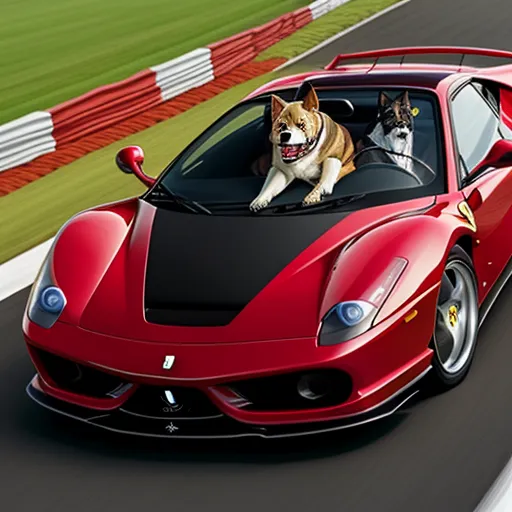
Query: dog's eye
[[301, 125], [282, 126]]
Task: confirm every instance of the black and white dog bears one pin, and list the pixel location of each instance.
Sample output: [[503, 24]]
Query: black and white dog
[[392, 130]]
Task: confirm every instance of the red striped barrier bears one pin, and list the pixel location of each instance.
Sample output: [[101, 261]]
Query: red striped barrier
[[243, 47], [302, 17], [269, 34], [104, 107], [85, 118], [231, 52], [18, 177]]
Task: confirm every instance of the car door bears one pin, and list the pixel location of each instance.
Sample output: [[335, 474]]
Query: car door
[[476, 126]]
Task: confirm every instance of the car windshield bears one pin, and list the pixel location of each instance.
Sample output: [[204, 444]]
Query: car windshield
[[226, 167]]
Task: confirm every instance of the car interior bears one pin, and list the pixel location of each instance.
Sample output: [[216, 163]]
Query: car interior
[[223, 171]]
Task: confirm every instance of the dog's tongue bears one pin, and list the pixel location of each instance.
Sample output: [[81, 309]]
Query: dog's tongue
[[290, 151]]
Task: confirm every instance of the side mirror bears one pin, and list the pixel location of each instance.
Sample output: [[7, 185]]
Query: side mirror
[[499, 156], [130, 160]]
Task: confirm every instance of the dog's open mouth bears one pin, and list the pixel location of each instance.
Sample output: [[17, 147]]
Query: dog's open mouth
[[291, 152]]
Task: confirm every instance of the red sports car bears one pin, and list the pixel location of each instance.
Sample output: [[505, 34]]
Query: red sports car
[[183, 313]]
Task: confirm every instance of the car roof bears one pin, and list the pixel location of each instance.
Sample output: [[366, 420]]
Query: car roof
[[340, 73], [404, 78], [392, 76]]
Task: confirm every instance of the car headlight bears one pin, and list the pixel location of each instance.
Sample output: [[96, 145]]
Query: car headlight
[[46, 301], [352, 318]]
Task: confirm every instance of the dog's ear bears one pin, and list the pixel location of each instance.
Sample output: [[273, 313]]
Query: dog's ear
[[404, 99], [384, 99], [277, 106], [311, 101]]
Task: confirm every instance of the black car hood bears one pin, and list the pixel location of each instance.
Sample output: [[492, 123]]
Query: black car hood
[[202, 270]]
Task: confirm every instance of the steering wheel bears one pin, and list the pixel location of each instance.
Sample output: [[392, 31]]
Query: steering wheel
[[401, 169]]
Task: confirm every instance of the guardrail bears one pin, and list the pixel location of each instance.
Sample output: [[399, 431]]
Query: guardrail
[[40, 133]]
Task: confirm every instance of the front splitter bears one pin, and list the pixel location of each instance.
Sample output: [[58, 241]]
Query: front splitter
[[217, 427]]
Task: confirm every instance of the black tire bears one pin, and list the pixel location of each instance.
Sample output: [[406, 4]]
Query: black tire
[[440, 379]]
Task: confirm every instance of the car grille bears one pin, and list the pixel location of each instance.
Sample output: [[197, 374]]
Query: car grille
[[171, 402]]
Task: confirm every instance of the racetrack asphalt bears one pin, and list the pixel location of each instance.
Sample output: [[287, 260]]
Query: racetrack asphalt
[[439, 454]]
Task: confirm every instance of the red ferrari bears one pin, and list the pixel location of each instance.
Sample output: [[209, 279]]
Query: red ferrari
[[184, 314]]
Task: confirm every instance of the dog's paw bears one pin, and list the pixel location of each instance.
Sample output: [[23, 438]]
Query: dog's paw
[[313, 197], [258, 204]]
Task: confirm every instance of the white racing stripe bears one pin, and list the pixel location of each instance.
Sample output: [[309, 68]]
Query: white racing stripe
[[341, 34], [21, 271]]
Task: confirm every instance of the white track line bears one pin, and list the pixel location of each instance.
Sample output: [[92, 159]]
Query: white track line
[[342, 33], [499, 496], [21, 271]]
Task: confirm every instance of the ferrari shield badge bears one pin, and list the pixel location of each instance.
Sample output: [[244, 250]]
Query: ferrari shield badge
[[467, 213], [168, 362], [453, 316]]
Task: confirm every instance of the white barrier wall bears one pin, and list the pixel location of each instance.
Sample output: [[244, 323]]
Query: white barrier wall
[[184, 73], [25, 139]]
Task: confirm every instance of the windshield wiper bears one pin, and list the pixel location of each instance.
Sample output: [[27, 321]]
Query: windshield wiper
[[342, 201], [298, 207], [286, 208], [192, 205]]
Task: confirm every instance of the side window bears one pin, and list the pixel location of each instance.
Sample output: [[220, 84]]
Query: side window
[[492, 95], [476, 126]]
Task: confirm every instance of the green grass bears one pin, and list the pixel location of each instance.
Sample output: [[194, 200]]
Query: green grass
[[35, 212], [327, 26], [54, 50]]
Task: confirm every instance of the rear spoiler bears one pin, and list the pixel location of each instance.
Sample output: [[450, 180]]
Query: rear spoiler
[[418, 50]]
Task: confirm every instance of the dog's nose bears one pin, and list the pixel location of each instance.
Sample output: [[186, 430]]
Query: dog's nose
[[285, 136]]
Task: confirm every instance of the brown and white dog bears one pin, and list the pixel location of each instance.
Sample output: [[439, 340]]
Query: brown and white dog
[[306, 145]]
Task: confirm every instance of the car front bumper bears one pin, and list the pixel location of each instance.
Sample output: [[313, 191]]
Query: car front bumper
[[384, 367]]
